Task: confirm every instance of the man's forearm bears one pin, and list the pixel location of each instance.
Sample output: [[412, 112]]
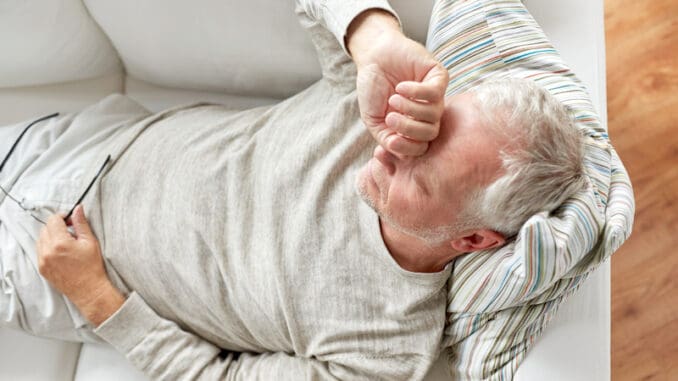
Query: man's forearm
[[105, 302], [163, 351], [365, 29]]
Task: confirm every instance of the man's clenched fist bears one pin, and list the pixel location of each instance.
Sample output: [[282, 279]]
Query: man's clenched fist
[[73, 265], [401, 87]]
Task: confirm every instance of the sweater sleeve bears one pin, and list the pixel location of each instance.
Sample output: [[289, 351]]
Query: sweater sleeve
[[336, 15], [163, 351]]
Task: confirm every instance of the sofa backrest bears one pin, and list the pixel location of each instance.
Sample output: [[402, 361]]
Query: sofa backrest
[[47, 42], [253, 47], [241, 47]]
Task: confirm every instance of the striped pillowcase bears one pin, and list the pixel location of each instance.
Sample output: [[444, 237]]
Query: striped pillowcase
[[500, 300]]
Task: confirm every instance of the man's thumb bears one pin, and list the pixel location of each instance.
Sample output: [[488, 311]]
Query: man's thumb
[[439, 75], [80, 224]]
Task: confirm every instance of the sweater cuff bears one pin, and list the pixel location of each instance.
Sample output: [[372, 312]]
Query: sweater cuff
[[340, 13], [129, 325]]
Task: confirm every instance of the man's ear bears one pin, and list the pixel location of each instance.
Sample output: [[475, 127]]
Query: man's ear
[[478, 240]]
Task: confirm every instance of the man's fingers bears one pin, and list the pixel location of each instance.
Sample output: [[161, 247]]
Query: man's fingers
[[413, 129], [422, 91], [431, 89], [439, 77], [426, 112], [400, 145], [80, 224], [57, 227]]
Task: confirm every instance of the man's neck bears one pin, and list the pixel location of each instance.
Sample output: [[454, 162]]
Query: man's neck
[[414, 254]]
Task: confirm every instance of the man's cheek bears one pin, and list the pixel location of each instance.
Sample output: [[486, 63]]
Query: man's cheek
[[418, 211], [404, 209]]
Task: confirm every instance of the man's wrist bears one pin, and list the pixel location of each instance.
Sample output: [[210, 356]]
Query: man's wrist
[[367, 27], [106, 301]]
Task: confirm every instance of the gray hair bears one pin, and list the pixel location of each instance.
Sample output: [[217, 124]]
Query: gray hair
[[543, 164]]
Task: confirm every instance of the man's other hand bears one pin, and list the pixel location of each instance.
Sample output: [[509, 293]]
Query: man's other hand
[[73, 264], [401, 86]]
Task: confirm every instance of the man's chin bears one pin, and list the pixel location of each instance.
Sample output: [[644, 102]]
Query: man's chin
[[362, 185], [361, 188]]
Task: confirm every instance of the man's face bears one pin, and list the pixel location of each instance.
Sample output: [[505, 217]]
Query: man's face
[[422, 194]]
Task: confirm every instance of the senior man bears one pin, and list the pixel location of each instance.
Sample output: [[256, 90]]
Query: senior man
[[236, 245]]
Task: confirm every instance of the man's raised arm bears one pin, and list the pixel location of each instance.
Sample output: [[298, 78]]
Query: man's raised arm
[[400, 85]]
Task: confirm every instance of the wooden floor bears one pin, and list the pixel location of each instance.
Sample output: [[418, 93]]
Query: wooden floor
[[642, 96]]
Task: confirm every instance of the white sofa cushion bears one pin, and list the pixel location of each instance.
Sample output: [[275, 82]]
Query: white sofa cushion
[[100, 362], [24, 357], [45, 42]]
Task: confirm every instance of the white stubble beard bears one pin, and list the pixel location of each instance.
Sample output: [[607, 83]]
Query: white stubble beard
[[430, 237]]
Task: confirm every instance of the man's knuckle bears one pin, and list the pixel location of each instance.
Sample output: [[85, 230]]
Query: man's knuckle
[[383, 135], [60, 246], [431, 115], [407, 127], [42, 267], [420, 110], [397, 122], [409, 108], [431, 134], [45, 263], [48, 255], [405, 147], [435, 94], [90, 247], [394, 146]]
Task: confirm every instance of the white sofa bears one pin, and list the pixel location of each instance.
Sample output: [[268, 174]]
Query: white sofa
[[62, 55]]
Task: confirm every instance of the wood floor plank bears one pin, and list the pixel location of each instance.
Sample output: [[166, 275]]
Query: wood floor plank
[[642, 88]]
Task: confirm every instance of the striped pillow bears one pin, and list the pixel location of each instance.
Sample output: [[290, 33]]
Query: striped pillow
[[500, 300]]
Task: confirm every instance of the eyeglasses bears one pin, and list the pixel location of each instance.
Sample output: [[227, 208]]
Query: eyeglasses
[[21, 203]]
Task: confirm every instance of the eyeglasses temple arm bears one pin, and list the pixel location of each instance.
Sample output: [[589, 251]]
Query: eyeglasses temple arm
[[16, 142], [108, 158]]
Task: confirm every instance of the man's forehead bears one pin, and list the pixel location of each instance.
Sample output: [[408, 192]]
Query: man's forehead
[[463, 123], [460, 111], [471, 147]]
